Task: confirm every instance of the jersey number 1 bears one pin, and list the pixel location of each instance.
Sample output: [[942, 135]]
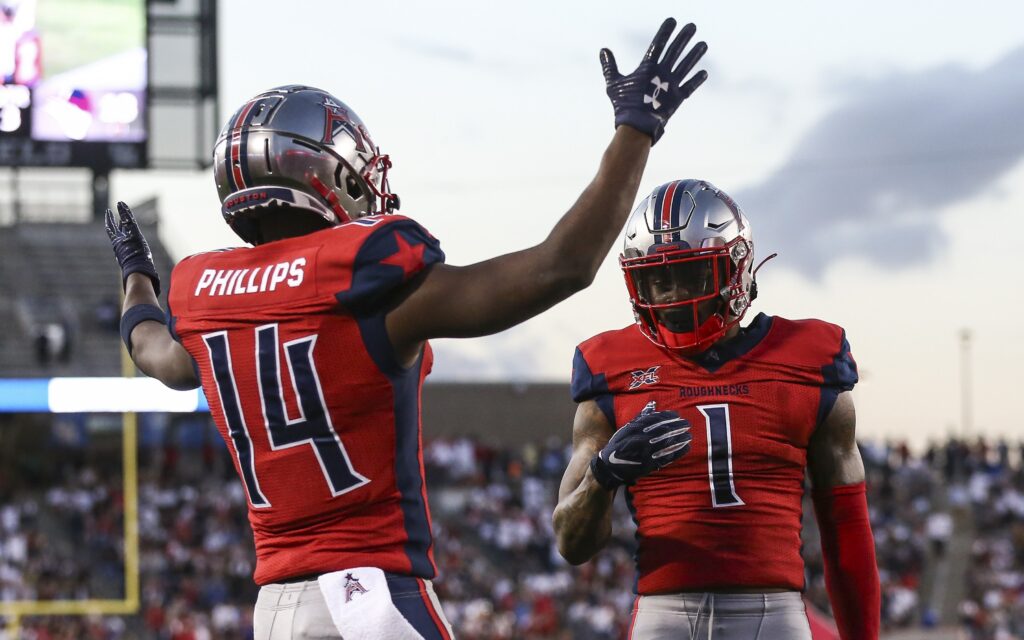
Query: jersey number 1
[[723, 489], [313, 426]]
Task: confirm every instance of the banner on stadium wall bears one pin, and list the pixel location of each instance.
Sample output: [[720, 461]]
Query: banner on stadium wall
[[96, 395]]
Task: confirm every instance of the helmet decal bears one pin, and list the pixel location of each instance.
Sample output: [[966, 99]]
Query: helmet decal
[[337, 118], [238, 159]]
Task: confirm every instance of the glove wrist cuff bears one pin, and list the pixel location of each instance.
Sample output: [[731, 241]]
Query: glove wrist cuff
[[144, 267], [603, 475], [643, 122]]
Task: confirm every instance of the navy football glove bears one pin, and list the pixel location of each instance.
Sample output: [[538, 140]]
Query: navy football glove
[[647, 443], [647, 98], [130, 246]]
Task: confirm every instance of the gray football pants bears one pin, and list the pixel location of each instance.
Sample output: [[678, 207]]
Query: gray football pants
[[298, 611], [734, 616]]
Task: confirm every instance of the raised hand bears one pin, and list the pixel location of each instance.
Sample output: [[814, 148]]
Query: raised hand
[[130, 246], [646, 98], [645, 444]]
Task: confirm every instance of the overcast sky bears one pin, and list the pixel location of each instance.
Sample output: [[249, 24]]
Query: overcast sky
[[876, 146]]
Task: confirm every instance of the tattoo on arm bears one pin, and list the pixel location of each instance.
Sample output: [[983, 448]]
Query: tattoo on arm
[[583, 518]]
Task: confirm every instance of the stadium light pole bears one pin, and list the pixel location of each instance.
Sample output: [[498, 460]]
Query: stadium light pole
[[965, 383], [100, 193]]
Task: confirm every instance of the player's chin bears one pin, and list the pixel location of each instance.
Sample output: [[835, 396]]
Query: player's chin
[[677, 321]]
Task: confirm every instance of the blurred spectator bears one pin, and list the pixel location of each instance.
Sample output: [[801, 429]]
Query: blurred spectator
[[53, 343], [107, 314], [939, 527]]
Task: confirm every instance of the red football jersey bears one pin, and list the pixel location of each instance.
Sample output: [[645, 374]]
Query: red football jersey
[[726, 515], [291, 347]]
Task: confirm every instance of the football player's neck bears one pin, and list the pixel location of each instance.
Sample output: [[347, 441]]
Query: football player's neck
[[281, 226], [732, 332]]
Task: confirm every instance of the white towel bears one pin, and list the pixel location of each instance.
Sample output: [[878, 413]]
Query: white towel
[[360, 604]]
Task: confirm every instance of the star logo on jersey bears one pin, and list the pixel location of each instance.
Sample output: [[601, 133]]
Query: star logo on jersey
[[352, 587], [644, 376], [407, 256]]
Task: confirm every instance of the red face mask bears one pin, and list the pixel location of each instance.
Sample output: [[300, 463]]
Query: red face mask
[[684, 298]]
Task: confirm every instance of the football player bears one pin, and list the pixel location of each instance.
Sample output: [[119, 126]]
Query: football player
[[710, 426], [311, 345]]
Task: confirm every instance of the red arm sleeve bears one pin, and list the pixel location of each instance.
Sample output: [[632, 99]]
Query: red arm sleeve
[[851, 571]]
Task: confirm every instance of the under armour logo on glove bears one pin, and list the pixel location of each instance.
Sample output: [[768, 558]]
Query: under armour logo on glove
[[645, 444], [648, 112], [659, 86]]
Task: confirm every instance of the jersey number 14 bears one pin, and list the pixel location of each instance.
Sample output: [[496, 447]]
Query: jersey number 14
[[313, 426]]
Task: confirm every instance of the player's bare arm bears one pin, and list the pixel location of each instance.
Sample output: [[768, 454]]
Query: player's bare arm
[[610, 459], [143, 327], [496, 294], [833, 459], [583, 516], [847, 543], [154, 351]]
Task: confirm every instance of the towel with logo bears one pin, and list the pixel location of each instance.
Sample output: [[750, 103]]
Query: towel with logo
[[360, 604]]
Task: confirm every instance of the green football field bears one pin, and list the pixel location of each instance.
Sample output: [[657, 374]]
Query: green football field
[[77, 32]]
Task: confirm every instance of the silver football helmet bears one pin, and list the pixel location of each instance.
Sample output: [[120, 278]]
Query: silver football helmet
[[688, 261], [299, 147]]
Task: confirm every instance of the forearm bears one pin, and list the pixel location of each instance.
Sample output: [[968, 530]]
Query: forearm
[[493, 295], [583, 520], [153, 350], [139, 290], [583, 237], [568, 259]]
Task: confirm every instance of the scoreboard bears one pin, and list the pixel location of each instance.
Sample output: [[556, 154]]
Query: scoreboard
[[73, 83]]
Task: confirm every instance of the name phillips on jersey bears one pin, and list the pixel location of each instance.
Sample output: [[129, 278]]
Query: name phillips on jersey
[[230, 282]]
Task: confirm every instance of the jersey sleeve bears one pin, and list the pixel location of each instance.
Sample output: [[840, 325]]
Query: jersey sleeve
[[837, 376], [841, 373], [174, 295], [392, 254], [586, 385]]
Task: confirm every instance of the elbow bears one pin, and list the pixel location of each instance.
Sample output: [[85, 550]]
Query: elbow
[[573, 554], [177, 381], [583, 278], [566, 267], [574, 545], [573, 278], [177, 375], [182, 383]]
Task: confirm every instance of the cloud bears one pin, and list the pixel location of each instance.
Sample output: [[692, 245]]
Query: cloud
[[870, 179], [439, 51], [510, 355]]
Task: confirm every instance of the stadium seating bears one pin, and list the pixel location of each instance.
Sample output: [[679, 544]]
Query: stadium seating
[[501, 577], [56, 282]]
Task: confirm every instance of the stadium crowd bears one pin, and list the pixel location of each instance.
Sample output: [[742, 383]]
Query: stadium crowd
[[501, 576]]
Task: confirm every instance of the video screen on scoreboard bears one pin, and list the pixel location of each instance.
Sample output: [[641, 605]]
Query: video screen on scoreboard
[[73, 73]]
